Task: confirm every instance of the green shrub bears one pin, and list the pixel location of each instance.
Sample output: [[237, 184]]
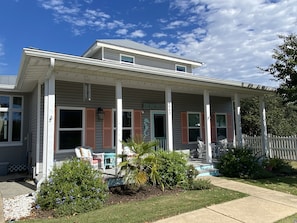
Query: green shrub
[[172, 169], [201, 184], [72, 188], [278, 166], [238, 162]]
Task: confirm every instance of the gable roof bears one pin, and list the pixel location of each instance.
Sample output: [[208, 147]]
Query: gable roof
[[126, 45]]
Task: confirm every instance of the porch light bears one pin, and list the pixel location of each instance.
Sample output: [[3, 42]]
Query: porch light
[[100, 113]]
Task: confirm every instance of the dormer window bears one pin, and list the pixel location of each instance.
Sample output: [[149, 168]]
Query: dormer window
[[180, 68], [127, 59]]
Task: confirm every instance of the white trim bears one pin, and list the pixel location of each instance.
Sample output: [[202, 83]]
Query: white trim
[[126, 55], [58, 127]]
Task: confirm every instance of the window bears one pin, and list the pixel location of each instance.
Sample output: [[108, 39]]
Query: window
[[127, 126], [127, 59], [221, 126], [193, 126], [180, 68], [70, 128], [11, 113]]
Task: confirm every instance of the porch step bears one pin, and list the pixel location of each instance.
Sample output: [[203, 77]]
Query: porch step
[[114, 181], [206, 170]]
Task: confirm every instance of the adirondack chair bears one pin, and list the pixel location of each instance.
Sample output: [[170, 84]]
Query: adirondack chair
[[85, 153]]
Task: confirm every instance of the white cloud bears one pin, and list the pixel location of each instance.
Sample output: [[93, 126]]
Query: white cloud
[[82, 18], [3, 65], [122, 32], [1, 49], [159, 35], [176, 24], [138, 34], [238, 36]]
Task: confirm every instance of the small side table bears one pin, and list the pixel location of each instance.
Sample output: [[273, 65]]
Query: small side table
[[109, 160]]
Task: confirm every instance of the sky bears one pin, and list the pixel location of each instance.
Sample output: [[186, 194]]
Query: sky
[[233, 38]]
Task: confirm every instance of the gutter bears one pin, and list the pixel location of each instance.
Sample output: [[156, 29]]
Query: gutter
[[44, 147]]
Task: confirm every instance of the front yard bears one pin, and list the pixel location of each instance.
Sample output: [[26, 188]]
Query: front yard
[[151, 209]]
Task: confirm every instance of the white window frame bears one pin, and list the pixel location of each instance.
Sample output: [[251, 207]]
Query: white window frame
[[179, 65], [217, 127], [58, 129], [123, 128], [188, 127], [10, 111], [125, 62]]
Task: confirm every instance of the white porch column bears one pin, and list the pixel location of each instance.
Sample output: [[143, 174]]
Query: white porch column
[[169, 130], [264, 134], [119, 120], [49, 125], [38, 162], [238, 121], [207, 126]]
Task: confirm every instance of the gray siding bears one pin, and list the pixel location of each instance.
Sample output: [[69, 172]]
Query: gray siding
[[71, 94], [194, 103], [114, 55]]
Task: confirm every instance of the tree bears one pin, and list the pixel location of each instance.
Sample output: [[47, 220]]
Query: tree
[[281, 119], [285, 68]]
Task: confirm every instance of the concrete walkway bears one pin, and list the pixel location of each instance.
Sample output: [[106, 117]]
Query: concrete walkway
[[262, 206]]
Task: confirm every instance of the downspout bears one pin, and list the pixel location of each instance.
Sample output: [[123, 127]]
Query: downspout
[[44, 147]]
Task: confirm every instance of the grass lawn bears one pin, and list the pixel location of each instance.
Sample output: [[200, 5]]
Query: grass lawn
[[287, 184], [154, 208]]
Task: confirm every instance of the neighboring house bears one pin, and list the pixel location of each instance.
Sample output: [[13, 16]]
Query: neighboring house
[[116, 90]]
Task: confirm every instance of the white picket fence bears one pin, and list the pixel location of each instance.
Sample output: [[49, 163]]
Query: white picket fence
[[283, 147]]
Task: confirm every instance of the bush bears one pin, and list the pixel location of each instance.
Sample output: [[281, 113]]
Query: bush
[[201, 184], [73, 188], [172, 169], [239, 162], [278, 166]]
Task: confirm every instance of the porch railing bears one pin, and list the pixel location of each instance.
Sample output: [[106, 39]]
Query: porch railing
[[283, 147], [162, 143]]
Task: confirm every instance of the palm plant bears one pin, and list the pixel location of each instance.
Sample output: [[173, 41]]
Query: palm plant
[[142, 166]]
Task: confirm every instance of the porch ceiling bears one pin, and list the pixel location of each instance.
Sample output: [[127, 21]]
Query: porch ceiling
[[35, 66]]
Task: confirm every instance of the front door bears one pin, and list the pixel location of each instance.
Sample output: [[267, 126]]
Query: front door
[[159, 127]]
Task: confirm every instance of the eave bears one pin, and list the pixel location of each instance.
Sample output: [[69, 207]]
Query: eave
[[35, 64]]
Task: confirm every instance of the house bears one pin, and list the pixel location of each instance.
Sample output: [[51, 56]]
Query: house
[[116, 90]]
